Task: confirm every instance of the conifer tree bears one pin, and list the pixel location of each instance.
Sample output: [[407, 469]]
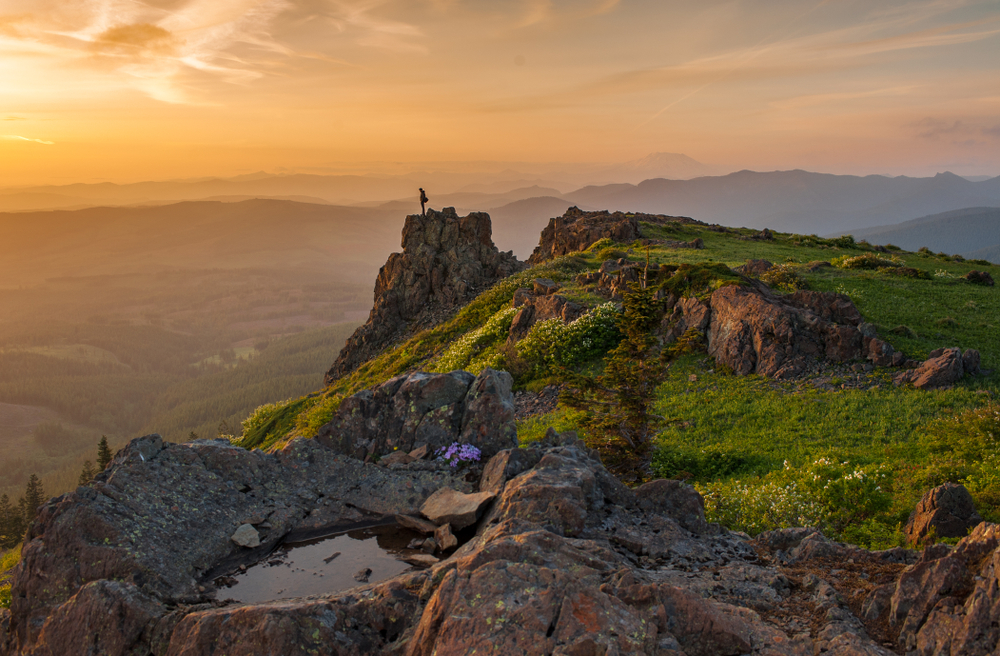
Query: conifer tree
[[34, 496], [87, 474], [619, 401], [103, 453]]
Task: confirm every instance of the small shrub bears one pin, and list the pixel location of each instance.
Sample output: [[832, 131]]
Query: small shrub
[[946, 322], [979, 278], [262, 415], [866, 261], [845, 241], [316, 416], [892, 247], [553, 343], [602, 243], [692, 341], [906, 272], [980, 262], [783, 277], [701, 464], [695, 279], [610, 253], [904, 331]]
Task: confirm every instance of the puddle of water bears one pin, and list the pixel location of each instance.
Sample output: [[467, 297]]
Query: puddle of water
[[312, 568]]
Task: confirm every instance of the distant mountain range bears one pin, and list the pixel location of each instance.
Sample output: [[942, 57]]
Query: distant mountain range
[[522, 202], [973, 232], [796, 201]]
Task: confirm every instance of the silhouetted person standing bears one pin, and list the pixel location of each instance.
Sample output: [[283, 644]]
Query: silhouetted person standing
[[423, 201]]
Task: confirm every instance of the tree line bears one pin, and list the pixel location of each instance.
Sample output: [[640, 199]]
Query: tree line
[[15, 518]]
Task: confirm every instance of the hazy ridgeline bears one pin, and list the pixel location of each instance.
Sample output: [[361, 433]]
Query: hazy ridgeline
[[169, 319]]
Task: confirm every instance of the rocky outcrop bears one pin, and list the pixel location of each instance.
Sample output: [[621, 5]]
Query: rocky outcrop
[[567, 560], [612, 280], [576, 230], [946, 511], [422, 410], [104, 564], [538, 306], [944, 367], [446, 261], [754, 331], [754, 268]]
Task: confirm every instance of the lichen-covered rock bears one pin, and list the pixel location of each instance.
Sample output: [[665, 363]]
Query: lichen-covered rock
[[422, 410], [446, 261], [946, 511], [158, 521], [569, 561]]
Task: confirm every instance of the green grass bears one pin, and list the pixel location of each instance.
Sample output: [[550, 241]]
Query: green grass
[[7, 562], [748, 437], [776, 422]]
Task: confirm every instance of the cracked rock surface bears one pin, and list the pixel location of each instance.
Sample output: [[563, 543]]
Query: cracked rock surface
[[567, 560]]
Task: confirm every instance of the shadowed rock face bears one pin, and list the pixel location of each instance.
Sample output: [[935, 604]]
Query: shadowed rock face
[[446, 261], [422, 409], [567, 561], [947, 511]]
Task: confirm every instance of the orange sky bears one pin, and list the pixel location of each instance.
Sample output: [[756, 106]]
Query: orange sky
[[126, 90]]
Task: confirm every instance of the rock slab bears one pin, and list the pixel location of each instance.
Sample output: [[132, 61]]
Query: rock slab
[[430, 410], [447, 506]]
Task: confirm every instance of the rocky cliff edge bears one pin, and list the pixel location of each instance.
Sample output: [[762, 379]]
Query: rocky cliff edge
[[446, 261]]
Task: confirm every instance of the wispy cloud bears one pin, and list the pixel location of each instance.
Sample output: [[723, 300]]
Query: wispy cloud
[[13, 118], [155, 45], [17, 137], [959, 130]]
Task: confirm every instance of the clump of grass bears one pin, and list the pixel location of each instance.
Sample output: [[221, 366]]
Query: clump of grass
[[610, 253], [7, 562], [697, 279], [784, 277], [866, 261], [906, 272], [946, 322], [904, 331]]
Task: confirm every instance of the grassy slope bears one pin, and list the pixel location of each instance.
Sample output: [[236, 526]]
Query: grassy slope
[[722, 428]]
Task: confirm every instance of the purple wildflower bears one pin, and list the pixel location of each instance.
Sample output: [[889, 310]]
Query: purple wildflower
[[457, 454]]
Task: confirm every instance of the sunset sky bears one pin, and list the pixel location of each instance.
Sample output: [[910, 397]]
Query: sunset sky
[[125, 90]]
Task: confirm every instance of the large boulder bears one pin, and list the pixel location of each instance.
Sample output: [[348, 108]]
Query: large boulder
[[943, 368], [946, 511], [425, 410], [755, 331], [446, 261]]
